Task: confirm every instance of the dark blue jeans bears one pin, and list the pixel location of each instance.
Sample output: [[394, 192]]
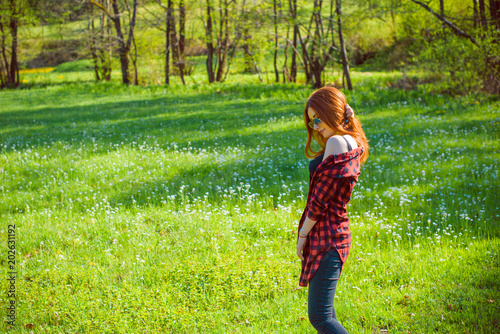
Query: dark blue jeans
[[322, 294]]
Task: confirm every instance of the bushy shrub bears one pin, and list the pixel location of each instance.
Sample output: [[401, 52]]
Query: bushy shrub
[[471, 67]]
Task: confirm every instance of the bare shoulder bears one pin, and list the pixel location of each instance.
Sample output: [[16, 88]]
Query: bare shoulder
[[351, 141], [335, 145]]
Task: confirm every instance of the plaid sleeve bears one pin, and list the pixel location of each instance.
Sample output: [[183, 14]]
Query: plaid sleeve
[[321, 196]]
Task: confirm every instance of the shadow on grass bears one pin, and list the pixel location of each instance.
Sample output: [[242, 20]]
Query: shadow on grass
[[163, 118], [217, 121], [116, 122]]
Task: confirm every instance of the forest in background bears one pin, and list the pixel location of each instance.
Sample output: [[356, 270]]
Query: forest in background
[[149, 41]]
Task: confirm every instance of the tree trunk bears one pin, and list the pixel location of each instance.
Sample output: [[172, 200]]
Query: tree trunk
[[276, 41], [316, 76], [106, 45], [4, 63], [293, 13], [238, 34], [331, 24], [210, 45], [492, 80], [286, 73], [174, 45], [105, 40], [167, 43], [314, 56], [182, 28], [132, 37], [124, 65], [345, 65], [247, 54], [182, 39], [122, 46], [305, 58], [13, 78], [134, 60], [495, 13], [476, 14], [93, 49], [482, 14], [224, 41]]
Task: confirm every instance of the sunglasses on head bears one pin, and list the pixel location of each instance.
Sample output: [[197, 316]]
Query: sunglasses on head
[[315, 121]]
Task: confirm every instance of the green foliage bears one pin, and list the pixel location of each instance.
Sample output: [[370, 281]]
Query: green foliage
[[382, 35], [146, 209], [466, 63]]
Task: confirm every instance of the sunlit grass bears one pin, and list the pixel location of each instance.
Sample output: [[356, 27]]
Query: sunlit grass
[[155, 209]]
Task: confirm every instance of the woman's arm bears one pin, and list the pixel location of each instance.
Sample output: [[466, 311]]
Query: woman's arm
[[334, 145], [324, 186], [321, 195], [307, 226]]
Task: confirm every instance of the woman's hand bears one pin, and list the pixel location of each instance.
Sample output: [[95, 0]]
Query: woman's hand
[[348, 111], [300, 247]]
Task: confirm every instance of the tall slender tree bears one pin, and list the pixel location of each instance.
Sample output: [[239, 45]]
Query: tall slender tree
[[174, 44], [169, 26], [107, 45], [217, 21], [495, 13], [182, 31], [93, 44], [14, 21], [100, 43], [293, 14], [134, 59], [276, 45], [482, 14], [317, 51], [119, 23], [11, 12], [343, 53], [209, 42], [222, 38], [476, 14]]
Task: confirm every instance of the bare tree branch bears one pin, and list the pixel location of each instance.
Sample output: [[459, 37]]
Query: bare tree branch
[[162, 5], [455, 29], [294, 50], [157, 22], [132, 22], [103, 9]]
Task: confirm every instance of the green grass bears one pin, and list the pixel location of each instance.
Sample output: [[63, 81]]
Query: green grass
[[154, 209]]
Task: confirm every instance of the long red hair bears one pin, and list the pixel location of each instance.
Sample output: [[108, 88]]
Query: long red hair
[[329, 105]]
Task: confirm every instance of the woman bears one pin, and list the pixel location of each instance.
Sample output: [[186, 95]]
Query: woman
[[324, 236]]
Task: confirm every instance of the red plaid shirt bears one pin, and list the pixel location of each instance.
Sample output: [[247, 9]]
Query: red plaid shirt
[[330, 190]]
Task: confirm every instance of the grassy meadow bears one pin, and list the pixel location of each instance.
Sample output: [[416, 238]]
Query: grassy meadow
[[174, 209]]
